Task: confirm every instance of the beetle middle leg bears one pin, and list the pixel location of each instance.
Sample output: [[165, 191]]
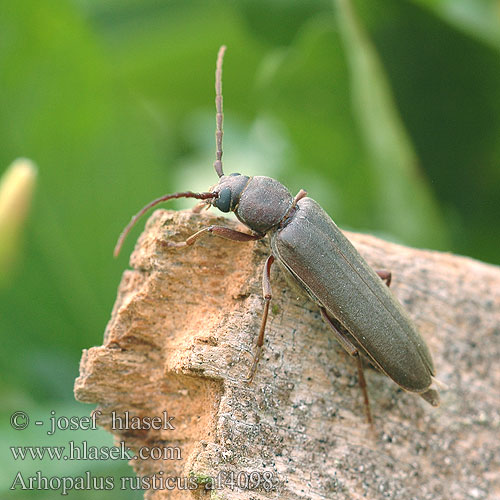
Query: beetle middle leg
[[353, 351], [266, 292], [221, 231]]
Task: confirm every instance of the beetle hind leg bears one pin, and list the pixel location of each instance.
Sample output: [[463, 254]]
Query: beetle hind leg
[[353, 351], [385, 276], [266, 292]]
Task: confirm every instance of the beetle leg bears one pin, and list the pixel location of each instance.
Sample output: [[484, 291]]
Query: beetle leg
[[342, 339], [266, 292], [221, 231], [385, 276], [200, 206], [353, 351]]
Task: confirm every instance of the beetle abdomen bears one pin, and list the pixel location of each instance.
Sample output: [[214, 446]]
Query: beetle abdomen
[[335, 275]]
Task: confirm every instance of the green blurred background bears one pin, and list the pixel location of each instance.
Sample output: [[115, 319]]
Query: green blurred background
[[386, 111]]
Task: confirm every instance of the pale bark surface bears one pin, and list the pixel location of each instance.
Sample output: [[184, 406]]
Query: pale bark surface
[[181, 338]]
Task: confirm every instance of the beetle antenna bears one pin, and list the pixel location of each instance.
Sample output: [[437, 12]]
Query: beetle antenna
[[143, 210], [219, 117]]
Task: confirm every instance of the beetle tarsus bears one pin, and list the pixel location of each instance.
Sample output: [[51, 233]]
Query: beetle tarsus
[[171, 244], [253, 368], [362, 384], [200, 206], [220, 231]]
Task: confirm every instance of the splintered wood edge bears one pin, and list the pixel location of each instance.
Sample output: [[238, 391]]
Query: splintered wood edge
[[180, 340]]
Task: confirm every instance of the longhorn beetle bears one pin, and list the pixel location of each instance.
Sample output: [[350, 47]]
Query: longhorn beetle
[[352, 298]]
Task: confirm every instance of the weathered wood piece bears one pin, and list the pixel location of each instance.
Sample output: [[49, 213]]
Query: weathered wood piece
[[181, 339]]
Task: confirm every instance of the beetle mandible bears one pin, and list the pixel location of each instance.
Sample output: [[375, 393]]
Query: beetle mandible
[[352, 298]]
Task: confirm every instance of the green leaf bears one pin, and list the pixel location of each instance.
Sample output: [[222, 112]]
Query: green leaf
[[407, 207], [479, 18]]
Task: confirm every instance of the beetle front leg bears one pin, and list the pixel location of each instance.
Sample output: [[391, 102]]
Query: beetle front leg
[[200, 206], [353, 351], [266, 293], [221, 231]]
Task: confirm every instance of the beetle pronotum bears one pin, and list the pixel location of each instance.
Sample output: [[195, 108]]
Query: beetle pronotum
[[352, 298]]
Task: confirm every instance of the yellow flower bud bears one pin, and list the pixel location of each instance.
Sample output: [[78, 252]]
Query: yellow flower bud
[[16, 192]]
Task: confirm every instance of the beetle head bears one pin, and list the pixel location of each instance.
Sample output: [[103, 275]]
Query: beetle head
[[228, 190], [259, 202]]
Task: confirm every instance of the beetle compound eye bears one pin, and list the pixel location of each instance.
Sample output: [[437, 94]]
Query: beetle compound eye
[[223, 202]]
